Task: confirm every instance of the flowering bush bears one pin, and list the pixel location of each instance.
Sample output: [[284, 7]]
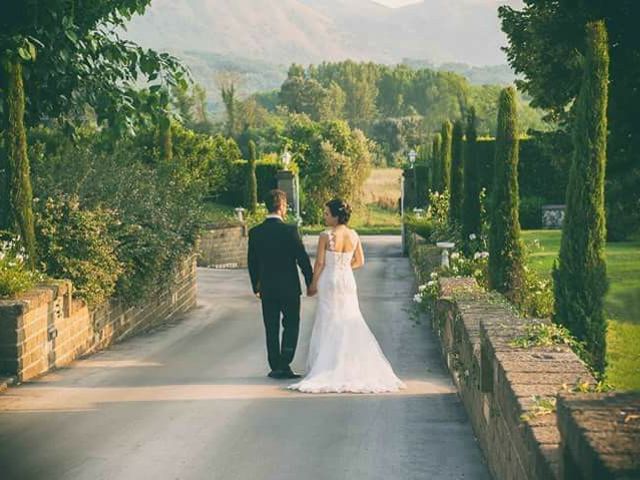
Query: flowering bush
[[427, 293], [15, 277]]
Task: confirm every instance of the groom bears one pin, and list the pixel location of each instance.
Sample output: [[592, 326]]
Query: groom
[[274, 250]]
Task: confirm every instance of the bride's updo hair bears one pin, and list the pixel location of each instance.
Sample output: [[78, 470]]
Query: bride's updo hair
[[339, 209]]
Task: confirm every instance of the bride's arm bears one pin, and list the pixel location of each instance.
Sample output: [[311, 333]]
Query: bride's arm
[[319, 265], [358, 257]]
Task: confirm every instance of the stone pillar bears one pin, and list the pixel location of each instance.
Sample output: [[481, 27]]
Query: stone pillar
[[285, 180]]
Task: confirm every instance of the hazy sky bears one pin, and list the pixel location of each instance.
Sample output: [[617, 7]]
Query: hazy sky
[[397, 3], [402, 3]]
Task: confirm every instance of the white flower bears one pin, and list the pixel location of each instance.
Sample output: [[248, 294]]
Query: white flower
[[434, 275], [422, 288], [484, 254], [476, 255], [472, 236], [431, 283], [417, 298], [455, 256]]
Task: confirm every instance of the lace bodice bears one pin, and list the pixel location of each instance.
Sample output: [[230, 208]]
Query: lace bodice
[[335, 258]]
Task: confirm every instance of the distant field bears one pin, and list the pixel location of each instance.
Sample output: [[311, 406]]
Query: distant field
[[383, 187]]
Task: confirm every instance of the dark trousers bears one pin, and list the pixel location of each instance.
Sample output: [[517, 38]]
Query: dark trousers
[[280, 356]]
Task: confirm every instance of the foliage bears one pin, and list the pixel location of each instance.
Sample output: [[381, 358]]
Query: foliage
[[541, 406], [155, 208], [457, 152], [79, 245], [471, 213], [531, 212], [545, 334], [252, 183], [16, 193], [333, 161], [436, 174], [547, 47], [15, 275], [505, 249], [543, 166], [78, 58], [444, 168], [434, 225], [580, 274]]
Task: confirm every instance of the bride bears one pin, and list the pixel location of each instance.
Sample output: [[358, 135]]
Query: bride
[[344, 356]]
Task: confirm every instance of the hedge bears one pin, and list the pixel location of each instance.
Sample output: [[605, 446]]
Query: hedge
[[236, 191]]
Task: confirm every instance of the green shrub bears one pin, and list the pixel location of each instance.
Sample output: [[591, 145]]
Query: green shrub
[[531, 212], [15, 275], [154, 207], [78, 245]]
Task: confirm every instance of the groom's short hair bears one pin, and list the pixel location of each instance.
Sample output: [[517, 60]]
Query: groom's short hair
[[274, 199]]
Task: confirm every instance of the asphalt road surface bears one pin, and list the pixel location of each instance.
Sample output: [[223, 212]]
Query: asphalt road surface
[[191, 400]]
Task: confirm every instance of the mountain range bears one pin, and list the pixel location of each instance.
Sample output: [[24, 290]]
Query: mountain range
[[311, 31]]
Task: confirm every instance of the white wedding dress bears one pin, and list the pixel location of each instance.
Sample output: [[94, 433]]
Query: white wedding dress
[[344, 356]]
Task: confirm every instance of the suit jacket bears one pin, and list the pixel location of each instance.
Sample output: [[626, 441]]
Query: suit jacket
[[274, 250]]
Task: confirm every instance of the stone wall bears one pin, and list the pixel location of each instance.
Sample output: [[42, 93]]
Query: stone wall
[[46, 328], [223, 246], [498, 382], [501, 386], [600, 435]]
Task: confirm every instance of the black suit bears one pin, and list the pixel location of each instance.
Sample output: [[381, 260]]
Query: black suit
[[275, 252]]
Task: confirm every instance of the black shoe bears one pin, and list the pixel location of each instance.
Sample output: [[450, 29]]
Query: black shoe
[[277, 374], [288, 373]]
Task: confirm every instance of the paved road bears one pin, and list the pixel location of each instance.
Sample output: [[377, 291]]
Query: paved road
[[191, 401]]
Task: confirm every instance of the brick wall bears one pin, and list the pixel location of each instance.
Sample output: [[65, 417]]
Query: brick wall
[[223, 247], [46, 328]]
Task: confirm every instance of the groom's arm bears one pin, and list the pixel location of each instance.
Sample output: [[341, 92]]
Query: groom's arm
[[253, 264], [302, 257]]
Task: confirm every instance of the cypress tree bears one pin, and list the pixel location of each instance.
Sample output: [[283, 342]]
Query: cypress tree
[[444, 181], [580, 280], [505, 248], [20, 195], [455, 202], [471, 222], [435, 162], [252, 183]]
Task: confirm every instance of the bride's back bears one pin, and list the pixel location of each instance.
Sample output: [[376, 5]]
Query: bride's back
[[342, 240]]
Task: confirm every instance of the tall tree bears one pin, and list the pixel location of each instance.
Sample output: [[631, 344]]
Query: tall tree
[[580, 279], [471, 222], [457, 152], [20, 212], [252, 182], [444, 181], [505, 245], [435, 162]]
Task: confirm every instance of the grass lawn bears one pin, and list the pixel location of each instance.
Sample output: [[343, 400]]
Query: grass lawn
[[622, 303]]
